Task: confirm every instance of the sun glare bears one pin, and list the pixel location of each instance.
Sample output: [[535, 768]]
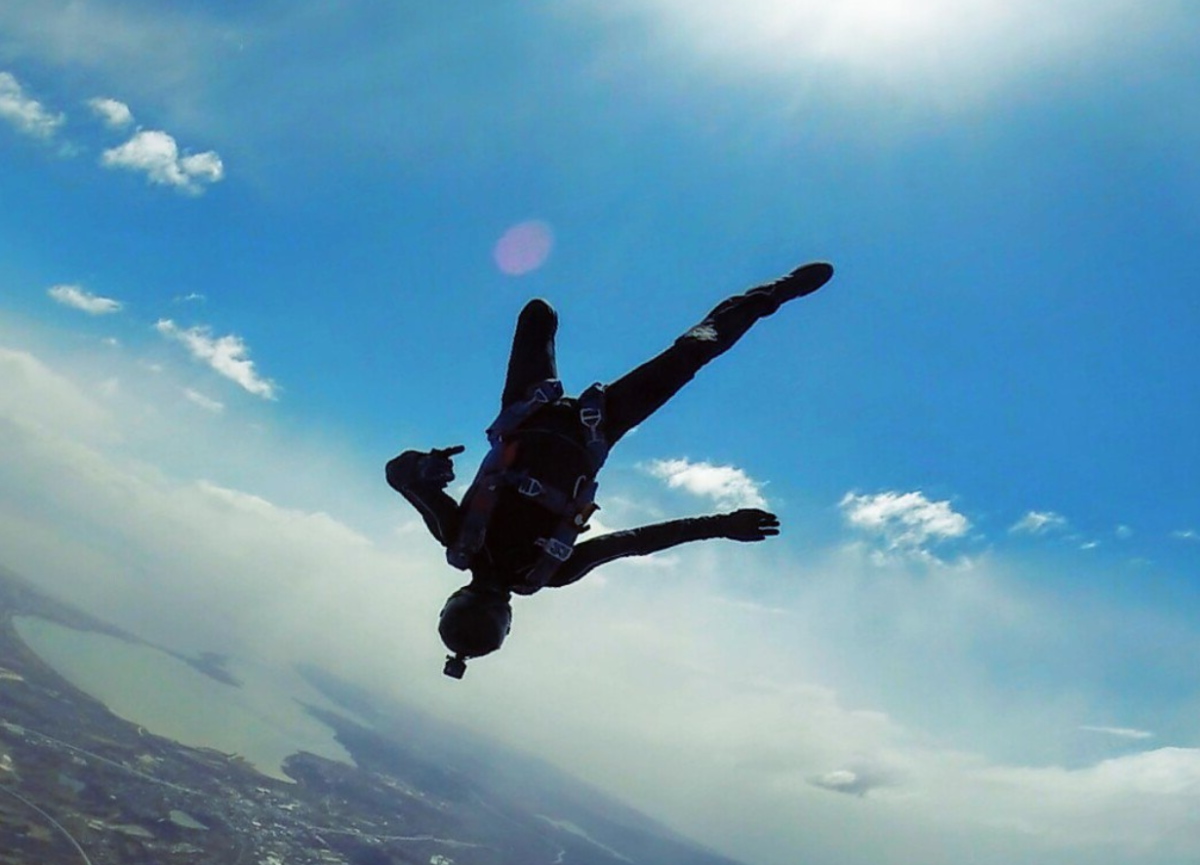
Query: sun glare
[[848, 31], [867, 24], [945, 46]]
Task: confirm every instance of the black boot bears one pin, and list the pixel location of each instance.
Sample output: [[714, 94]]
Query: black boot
[[731, 318], [802, 281]]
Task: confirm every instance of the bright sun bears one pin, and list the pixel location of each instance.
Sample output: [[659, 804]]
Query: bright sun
[[950, 45], [852, 31]]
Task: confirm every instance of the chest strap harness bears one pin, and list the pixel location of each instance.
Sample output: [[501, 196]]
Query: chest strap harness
[[495, 473]]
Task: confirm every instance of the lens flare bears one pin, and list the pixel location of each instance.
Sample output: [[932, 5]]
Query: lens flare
[[524, 247]]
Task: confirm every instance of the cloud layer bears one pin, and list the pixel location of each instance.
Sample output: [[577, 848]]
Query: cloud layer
[[698, 689]]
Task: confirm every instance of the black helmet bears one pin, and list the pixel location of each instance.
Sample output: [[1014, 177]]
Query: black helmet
[[474, 622]]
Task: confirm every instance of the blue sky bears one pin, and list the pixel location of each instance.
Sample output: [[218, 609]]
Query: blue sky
[[250, 251]]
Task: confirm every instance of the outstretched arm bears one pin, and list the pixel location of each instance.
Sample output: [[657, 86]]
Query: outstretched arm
[[748, 524], [421, 478]]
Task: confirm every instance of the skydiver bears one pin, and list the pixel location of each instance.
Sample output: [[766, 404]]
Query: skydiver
[[516, 527]]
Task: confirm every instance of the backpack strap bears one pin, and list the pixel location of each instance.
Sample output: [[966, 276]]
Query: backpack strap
[[480, 502], [496, 473], [579, 508], [485, 489], [592, 416], [514, 414]]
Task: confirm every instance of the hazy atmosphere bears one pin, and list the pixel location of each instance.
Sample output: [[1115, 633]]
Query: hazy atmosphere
[[251, 251]]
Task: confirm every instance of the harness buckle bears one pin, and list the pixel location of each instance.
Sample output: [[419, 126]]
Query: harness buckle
[[530, 487], [555, 548], [591, 417]]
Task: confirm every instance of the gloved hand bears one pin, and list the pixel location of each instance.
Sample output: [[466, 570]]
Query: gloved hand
[[437, 467], [749, 524]]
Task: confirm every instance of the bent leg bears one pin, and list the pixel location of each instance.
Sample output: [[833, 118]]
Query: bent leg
[[532, 357], [639, 393]]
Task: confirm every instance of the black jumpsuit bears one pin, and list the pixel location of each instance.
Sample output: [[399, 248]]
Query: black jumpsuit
[[551, 441]]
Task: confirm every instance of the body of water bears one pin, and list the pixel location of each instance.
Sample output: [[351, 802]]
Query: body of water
[[262, 720]]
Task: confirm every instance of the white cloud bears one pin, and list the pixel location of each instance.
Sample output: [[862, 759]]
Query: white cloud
[[727, 486], [25, 113], [206, 403], [1123, 532], [905, 521], [114, 113], [156, 154], [1039, 523], [152, 152], [856, 782], [1186, 535], [225, 354], [1119, 732], [76, 297]]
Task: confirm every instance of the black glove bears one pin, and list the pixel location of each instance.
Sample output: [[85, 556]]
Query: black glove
[[436, 468], [749, 524]]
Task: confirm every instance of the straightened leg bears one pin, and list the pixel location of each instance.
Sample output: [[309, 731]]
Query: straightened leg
[[532, 358]]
